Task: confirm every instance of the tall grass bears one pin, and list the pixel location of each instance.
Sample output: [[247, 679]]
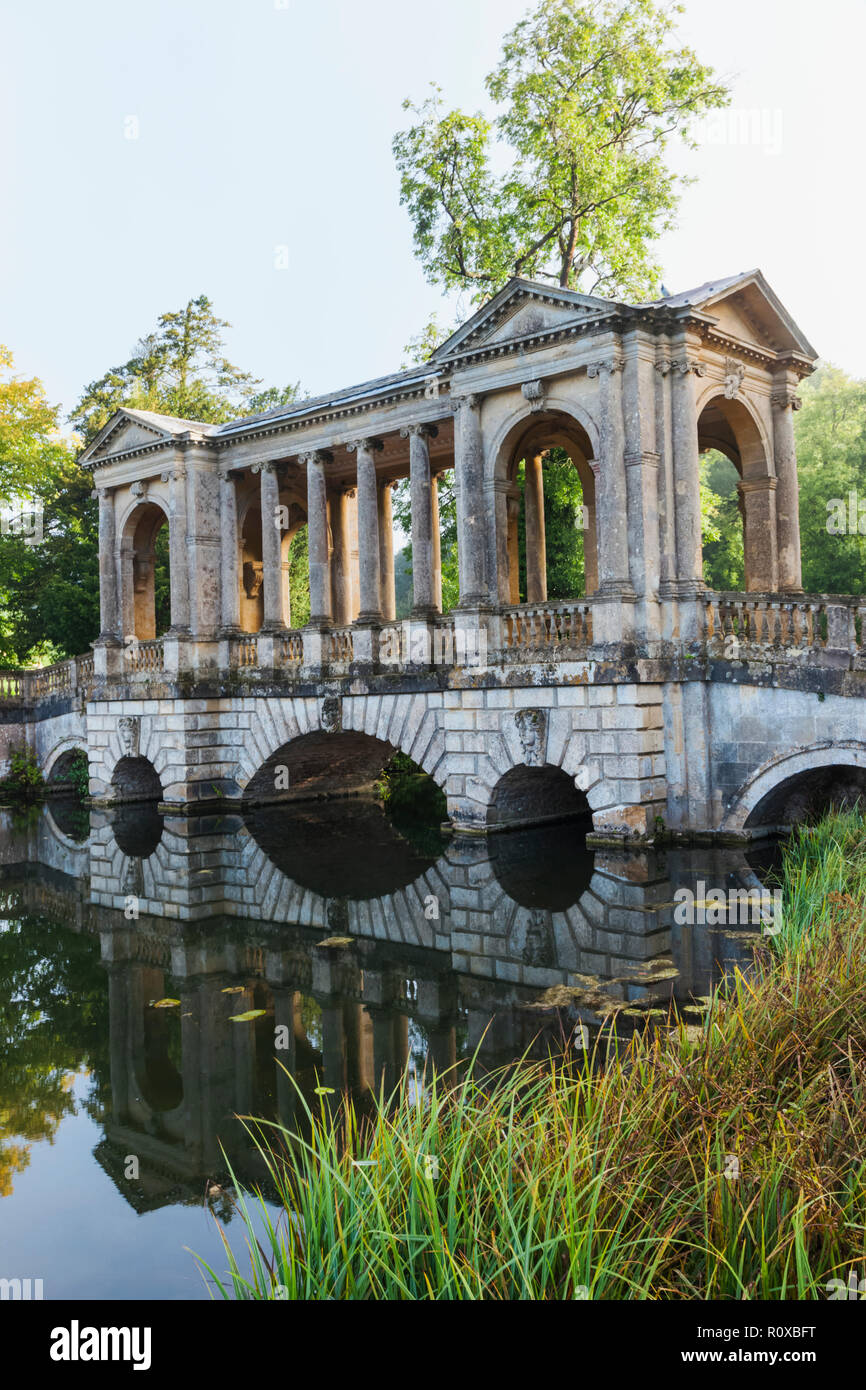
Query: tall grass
[[729, 1165]]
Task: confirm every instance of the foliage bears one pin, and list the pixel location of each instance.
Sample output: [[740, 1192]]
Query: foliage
[[408, 793], [831, 459], [24, 779], [831, 464], [608, 1178], [53, 1021], [589, 96], [49, 592], [179, 369], [299, 579], [722, 524], [30, 441]]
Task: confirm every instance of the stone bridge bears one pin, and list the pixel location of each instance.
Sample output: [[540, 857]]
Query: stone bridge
[[648, 701]]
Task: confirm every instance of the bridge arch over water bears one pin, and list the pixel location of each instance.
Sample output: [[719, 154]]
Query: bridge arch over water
[[797, 784]]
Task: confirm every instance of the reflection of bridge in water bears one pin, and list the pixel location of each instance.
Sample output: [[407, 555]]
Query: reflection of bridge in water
[[502, 947]]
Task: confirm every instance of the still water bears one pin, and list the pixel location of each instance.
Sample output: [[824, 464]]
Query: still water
[[371, 949]]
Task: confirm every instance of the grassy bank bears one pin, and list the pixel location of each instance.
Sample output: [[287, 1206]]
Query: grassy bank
[[563, 1183]]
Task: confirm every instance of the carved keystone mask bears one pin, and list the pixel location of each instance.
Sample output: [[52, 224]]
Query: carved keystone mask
[[532, 732], [129, 730]]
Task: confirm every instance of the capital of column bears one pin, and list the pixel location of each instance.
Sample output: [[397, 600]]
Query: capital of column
[[316, 456], [685, 366], [366, 446], [608, 365], [468, 402], [173, 475], [786, 397], [268, 467], [422, 431]]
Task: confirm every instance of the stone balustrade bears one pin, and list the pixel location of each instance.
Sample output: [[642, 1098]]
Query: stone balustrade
[[816, 629], [813, 627]]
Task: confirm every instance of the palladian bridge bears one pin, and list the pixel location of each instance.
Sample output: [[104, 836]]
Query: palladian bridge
[[650, 701]]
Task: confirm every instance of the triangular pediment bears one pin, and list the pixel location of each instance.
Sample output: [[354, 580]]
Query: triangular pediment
[[130, 430], [745, 308], [523, 309]]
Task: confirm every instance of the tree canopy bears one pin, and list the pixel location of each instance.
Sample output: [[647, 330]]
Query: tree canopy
[[588, 97]]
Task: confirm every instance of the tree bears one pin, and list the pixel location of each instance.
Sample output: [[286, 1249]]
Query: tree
[[831, 459], [589, 96], [31, 446], [179, 370]]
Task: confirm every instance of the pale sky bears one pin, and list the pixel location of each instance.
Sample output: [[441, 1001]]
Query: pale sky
[[267, 124]]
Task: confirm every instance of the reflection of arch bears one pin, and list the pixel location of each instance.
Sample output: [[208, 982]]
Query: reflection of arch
[[768, 790], [138, 537], [528, 437], [136, 779], [336, 855], [733, 428]]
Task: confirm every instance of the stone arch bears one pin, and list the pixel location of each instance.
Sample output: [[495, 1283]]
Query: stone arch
[[534, 796], [786, 771], [529, 434], [138, 532], [320, 764], [734, 428], [135, 779], [64, 749]]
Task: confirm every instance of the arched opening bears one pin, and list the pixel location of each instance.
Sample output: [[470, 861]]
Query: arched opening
[[547, 547], [738, 504], [806, 796], [320, 765], [528, 796], [69, 774], [136, 779], [146, 573]]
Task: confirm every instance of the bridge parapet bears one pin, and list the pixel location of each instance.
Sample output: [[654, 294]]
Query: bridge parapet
[[815, 630]]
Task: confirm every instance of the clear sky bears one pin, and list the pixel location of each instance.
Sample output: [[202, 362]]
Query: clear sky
[[267, 124]]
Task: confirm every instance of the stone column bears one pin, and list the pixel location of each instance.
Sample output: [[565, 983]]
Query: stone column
[[368, 531], [317, 539], [437, 543], [642, 478], [472, 521], [231, 585], [687, 474], [272, 550], [109, 607], [757, 506], [178, 549], [341, 576], [386, 552], [423, 541], [536, 545], [785, 403], [513, 529], [613, 618]]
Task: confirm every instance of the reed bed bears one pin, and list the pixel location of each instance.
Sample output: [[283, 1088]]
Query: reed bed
[[720, 1163]]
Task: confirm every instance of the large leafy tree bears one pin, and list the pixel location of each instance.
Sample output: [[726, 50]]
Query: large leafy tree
[[180, 369], [589, 96], [49, 591], [31, 444]]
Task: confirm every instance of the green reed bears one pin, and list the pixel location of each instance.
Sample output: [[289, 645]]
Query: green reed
[[726, 1165]]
